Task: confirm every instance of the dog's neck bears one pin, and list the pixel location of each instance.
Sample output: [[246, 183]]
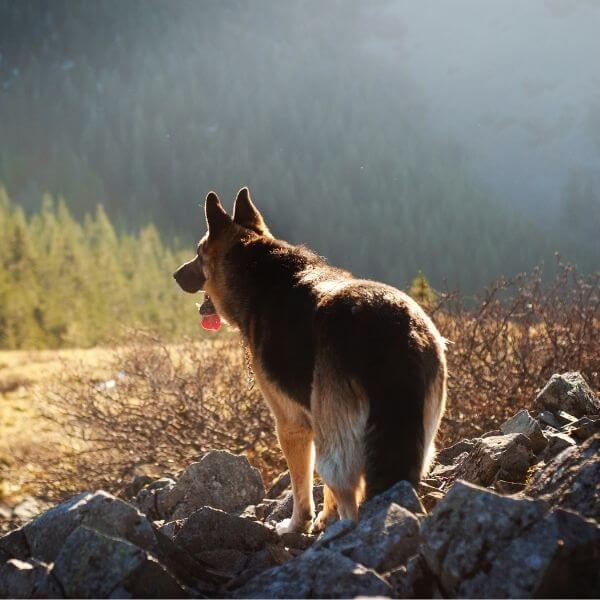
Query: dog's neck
[[258, 268]]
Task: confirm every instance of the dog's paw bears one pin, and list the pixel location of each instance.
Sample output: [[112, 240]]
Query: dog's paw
[[285, 526], [322, 521], [291, 526]]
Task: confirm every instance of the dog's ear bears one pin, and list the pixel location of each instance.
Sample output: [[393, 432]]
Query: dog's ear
[[247, 215], [216, 217]]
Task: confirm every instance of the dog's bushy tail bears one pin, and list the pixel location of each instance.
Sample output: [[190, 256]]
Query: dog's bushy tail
[[394, 437]]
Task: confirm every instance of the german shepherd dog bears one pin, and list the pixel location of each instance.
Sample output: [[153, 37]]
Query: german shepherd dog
[[353, 370]]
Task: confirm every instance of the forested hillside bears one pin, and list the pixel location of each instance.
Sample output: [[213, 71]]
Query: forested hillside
[[65, 283], [143, 106]]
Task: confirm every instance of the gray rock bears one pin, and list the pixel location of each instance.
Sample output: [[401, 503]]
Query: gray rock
[[524, 423], [228, 561], [299, 541], [222, 480], [282, 508], [480, 544], [93, 565], [154, 500], [568, 392], [264, 508], [316, 574], [493, 433], [549, 420], [280, 485], [572, 479], [401, 493], [14, 545], [584, 428], [279, 509], [213, 529], [445, 473], [505, 457], [464, 529], [508, 487], [557, 557], [28, 579], [382, 541], [101, 511], [557, 442], [334, 531], [171, 528], [447, 455], [268, 557], [195, 574], [414, 580], [151, 580], [137, 483]]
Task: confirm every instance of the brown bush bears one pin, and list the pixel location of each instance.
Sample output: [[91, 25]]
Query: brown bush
[[172, 403], [167, 405], [509, 340]]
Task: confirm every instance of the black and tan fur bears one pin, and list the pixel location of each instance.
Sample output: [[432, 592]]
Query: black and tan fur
[[353, 370]]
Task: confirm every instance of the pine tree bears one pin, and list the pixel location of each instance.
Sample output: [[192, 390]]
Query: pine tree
[[421, 291]]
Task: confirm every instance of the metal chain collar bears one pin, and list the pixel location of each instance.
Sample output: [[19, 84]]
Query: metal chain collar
[[250, 377]]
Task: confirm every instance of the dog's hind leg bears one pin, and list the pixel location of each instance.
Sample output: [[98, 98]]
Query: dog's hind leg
[[328, 513], [340, 412]]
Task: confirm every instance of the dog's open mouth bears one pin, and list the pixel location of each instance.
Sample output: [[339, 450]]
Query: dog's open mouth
[[209, 317]]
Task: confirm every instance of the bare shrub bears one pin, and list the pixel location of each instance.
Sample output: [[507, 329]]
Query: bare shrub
[[172, 403], [510, 338], [167, 405]]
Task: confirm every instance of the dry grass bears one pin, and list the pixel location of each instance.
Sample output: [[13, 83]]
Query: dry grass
[[170, 403], [164, 407], [26, 438]]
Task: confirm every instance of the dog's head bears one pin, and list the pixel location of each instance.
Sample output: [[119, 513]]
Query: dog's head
[[204, 271]]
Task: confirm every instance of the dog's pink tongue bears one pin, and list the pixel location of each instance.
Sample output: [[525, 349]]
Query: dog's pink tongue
[[211, 322]]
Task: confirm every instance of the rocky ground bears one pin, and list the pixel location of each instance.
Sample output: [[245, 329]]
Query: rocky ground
[[515, 513]]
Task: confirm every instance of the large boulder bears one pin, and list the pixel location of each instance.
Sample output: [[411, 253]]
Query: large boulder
[[318, 573], [568, 392], [101, 511], [505, 457], [94, 565], [558, 557], [210, 529], [572, 479], [222, 480], [480, 544], [383, 541]]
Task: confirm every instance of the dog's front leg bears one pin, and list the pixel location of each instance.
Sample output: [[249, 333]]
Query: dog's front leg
[[297, 445]]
